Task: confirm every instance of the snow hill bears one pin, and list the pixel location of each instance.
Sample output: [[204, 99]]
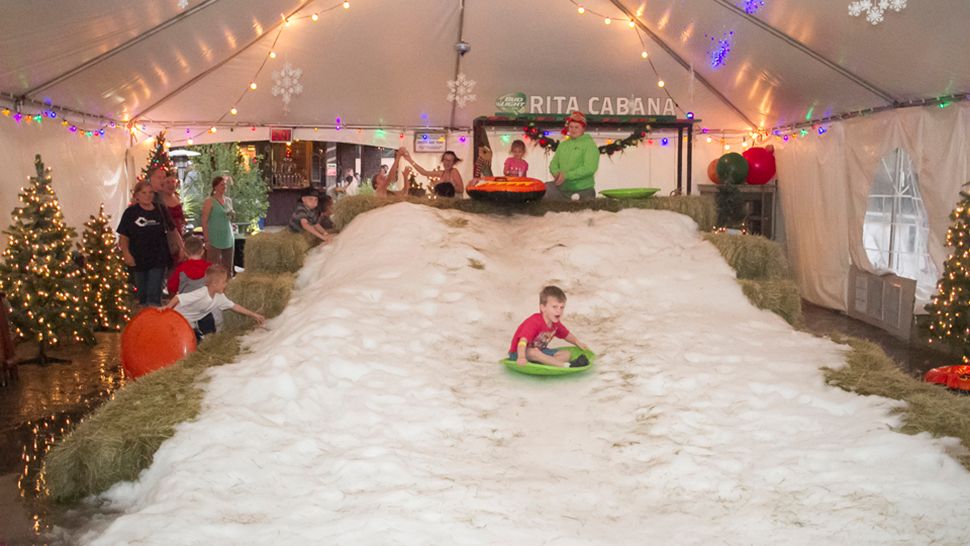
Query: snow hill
[[373, 411]]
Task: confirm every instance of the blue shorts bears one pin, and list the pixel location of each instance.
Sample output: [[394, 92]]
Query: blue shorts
[[514, 355]]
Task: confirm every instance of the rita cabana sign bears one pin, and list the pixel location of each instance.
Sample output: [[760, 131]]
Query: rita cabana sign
[[520, 103]]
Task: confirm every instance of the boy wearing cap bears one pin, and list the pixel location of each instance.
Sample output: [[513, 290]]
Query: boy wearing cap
[[575, 162], [306, 217]]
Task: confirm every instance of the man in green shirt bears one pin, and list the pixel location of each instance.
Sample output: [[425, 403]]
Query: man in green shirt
[[575, 162]]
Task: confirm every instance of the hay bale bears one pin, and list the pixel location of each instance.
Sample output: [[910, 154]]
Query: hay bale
[[278, 252], [929, 408], [779, 296], [752, 256], [701, 209], [260, 292], [119, 439]]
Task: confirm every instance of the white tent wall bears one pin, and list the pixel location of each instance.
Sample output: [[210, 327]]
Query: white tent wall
[[825, 183], [87, 171]]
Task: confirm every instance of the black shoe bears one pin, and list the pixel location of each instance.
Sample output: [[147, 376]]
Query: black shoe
[[579, 362]]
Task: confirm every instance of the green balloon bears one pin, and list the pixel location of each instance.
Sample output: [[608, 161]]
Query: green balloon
[[732, 168]]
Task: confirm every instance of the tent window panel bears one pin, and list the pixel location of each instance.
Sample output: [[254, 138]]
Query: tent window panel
[[896, 232]]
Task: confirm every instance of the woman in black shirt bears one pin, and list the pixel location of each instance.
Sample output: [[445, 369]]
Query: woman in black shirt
[[144, 244]]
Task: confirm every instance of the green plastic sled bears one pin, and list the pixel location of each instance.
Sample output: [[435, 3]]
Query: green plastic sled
[[630, 193], [541, 369]]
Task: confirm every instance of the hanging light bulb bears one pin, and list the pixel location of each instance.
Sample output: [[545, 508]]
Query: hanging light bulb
[[607, 21], [189, 141], [581, 10], [644, 54], [727, 147], [631, 24], [709, 140], [272, 54], [346, 5], [252, 85], [212, 129], [233, 111], [661, 83], [314, 17]]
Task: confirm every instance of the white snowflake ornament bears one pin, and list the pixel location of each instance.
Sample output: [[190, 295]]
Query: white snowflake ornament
[[874, 9], [287, 84], [460, 91]]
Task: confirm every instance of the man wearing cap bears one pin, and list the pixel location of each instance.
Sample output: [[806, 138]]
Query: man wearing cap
[[575, 162]]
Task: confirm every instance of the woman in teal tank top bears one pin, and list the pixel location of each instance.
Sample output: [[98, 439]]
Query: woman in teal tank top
[[219, 241]]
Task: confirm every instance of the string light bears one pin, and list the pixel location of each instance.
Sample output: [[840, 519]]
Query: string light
[[581, 10], [252, 85], [233, 111], [661, 83], [272, 54], [315, 17], [607, 20], [644, 54], [346, 5]]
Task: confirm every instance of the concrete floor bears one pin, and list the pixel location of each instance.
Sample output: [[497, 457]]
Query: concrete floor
[[38, 409]]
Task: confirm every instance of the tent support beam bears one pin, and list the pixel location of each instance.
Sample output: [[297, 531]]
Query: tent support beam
[[458, 55], [219, 65], [680, 60], [118, 49], [851, 76]]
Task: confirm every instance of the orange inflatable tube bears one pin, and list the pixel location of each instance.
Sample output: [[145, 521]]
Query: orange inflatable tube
[[507, 189]]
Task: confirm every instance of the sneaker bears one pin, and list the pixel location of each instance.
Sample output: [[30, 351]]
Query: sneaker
[[579, 362]]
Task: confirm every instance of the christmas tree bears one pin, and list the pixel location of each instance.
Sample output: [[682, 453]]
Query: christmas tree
[[951, 304], [38, 271], [158, 159], [105, 277]]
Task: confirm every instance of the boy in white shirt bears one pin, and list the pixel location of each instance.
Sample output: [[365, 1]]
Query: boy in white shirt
[[199, 306]]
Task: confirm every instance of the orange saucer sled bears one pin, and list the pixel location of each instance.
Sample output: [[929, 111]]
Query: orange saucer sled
[[508, 189], [951, 377]]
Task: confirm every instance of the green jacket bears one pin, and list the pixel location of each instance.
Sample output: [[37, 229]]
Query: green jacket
[[578, 158]]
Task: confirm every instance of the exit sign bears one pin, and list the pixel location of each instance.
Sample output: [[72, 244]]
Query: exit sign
[[280, 135]]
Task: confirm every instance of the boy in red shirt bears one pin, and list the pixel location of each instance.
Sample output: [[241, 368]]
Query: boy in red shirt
[[190, 274], [531, 339]]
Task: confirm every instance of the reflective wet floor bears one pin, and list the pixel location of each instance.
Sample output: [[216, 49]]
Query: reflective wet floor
[[46, 402]]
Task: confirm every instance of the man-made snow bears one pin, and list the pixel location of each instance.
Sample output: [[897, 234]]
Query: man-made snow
[[373, 411]]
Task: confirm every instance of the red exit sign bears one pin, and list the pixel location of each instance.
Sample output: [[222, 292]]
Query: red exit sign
[[280, 135]]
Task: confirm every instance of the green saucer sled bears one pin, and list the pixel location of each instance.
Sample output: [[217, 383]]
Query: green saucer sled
[[630, 193], [541, 369]]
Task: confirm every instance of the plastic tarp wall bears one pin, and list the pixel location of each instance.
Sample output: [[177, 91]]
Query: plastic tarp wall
[[825, 184], [86, 171]]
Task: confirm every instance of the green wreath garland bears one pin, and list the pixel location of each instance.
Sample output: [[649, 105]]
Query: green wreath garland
[[549, 143]]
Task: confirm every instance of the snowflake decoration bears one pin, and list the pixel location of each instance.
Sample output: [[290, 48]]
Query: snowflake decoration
[[460, 91], [874, 9], [287, 84], [183, 4]]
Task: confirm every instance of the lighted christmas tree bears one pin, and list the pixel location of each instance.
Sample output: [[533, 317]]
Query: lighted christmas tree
[[951, 304], [158, 159], [105, 277], [38, 271]]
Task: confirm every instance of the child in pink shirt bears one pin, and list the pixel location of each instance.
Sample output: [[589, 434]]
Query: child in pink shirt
[[515, 165], [531, 340]]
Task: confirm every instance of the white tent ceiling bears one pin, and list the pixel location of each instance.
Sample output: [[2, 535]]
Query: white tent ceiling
[[386, 62]]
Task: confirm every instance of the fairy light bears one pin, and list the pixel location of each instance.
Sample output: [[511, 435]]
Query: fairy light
[[631, 24], [607, 20], [346, 5], [644, 54], [581, 10], [315, 17], [272, 54], [252, 85], [661, 83], [233, 111]]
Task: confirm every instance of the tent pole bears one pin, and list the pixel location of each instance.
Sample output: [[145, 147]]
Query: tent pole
[[851, 76], [114, 51], [680, 60], [458, 55], [218, 65]]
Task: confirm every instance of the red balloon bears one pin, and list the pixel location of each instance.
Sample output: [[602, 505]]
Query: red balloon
[[154, 339], [712, 172], [761, 165]]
